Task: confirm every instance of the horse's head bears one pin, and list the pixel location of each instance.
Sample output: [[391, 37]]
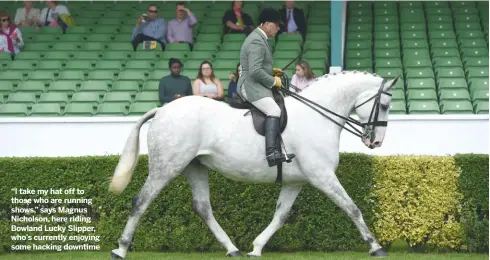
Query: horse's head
[[372, 108]]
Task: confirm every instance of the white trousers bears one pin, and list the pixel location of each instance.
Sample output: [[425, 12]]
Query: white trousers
[[267, 105]]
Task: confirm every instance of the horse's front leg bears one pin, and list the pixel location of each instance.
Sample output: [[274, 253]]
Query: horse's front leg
[[330, 185], [286, 199]]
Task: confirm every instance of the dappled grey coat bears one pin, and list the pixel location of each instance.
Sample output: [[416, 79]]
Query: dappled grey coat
[[256, 61]]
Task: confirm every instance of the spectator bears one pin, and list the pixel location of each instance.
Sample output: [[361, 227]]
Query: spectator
[[233, 81], [207, 84], [27, 16], [149, 28], [180, 28], [236, 21], [10, 36], [293, 19], [303, 77], [174, 86], [50, 14]]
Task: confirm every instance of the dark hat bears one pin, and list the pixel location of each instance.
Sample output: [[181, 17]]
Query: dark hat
[[174, 60], [270, 14]]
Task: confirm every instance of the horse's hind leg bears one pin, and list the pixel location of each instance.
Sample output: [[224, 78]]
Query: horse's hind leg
[[330, 185], [287, 196], [159, 177], [197, 175]]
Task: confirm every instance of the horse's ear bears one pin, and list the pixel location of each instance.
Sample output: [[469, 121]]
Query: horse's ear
[[389, 84]]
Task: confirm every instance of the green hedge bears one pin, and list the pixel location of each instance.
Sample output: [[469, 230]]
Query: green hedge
[[243, 210]]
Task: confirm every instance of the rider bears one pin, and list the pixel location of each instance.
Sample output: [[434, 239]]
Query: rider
[[258, 78]]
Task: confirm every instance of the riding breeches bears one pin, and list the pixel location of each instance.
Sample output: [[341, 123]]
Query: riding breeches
[[267, 105]]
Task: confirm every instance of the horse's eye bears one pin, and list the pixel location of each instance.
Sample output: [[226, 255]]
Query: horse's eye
[[384, 107]]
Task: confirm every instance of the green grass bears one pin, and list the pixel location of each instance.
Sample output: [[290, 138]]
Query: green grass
[[211, 256]]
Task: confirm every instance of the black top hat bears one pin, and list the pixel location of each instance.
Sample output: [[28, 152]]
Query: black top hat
[[270, 14]]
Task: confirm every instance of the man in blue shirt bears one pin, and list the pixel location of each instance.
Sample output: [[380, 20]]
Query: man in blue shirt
[[150, 28]]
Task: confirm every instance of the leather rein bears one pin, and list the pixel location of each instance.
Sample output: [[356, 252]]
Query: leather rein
[[373, 117]]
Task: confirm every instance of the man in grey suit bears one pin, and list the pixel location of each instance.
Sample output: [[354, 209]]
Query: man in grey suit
[[258, 78]]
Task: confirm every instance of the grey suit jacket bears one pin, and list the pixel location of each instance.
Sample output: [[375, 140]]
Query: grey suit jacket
[[256, 61]]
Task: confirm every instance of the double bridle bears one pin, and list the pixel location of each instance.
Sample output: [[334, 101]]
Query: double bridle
[[373, 117]]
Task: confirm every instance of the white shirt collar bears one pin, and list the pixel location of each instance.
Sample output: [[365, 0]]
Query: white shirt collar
[[262, 31]]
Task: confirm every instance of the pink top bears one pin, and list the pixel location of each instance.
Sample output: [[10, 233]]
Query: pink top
[[300, 83]]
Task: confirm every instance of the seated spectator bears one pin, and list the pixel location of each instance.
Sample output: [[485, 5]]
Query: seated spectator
[[207, 84], [27, 16], [50, 15], [10, 36], [236, 21], [293, 19], [180, 28], [149, 28], [174, 86], [302, 78], [234, 81]]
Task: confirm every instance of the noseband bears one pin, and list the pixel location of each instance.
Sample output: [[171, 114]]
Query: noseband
[[373, 117]]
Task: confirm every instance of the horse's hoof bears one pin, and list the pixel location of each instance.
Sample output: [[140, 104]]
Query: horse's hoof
[[379, 253], [114, 256], [252, 256], [234, 254]]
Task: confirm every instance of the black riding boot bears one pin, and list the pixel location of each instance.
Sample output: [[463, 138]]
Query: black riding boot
[[272, 147]]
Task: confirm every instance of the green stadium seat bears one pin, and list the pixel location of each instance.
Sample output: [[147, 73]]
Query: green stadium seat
[[415, 44], [71, 38], [50, 30], [138, 65], [87, 55], [416, 54], [444, 43], [448, 62], [115, 55], [234, 38], [190, 64], [21, 65], [355, 44], [145, 55], [77, 30], [316, 54], [397, 94], [118, 97], [452, 83], [11, 75], [421, 83], [101, 75], [45, 76], [417, 63], [356, 64], [81, 65], [6, 87], [481, 107], [140, 108], [46, 109], [289, 37], [205, 46], [387, 44], [389, 72], [476, 61], [423, 107], [225, 55], [132, 75], [454, 94], [475, 52], [412, 26], [231, 46], [225, 64], [98, 38], [450, 72], [79, 109], [54, 97], [358, 54], [387, 53], [126, 86], [21, 97], [67, 86], [478, 83], [171, 46], [67, 46], [318, 37], [209, 37], [172, 54], [22, 56], [158, 74], [446, 52], [200, 56], [413, 35], [151, 85], [473, 43], [105, 29], [112, 109], [192, 73], [480, 94], [41, 46], [435, 26], [147, 96], [398, 107], [419, 73], [316, 45], [95, 46], [477, 72], [10, 110], [421, 94], [50, 65], [470, 34], [77, 75], [86, 97], [36, 87], [95, 86], [456, 107], [113, 65]]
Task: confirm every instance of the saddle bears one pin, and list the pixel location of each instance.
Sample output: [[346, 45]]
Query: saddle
[[258, 118]]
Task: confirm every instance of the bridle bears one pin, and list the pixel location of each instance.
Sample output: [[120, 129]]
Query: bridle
[[373, 117]]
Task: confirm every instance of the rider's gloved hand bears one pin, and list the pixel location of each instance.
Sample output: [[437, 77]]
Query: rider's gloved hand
[[278, 83], [276, 72]]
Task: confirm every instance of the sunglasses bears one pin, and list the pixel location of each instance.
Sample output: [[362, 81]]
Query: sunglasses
[[153, 11], [5, 20]]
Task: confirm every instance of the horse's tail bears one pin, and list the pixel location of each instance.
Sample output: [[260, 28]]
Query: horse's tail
[[129, 157]]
